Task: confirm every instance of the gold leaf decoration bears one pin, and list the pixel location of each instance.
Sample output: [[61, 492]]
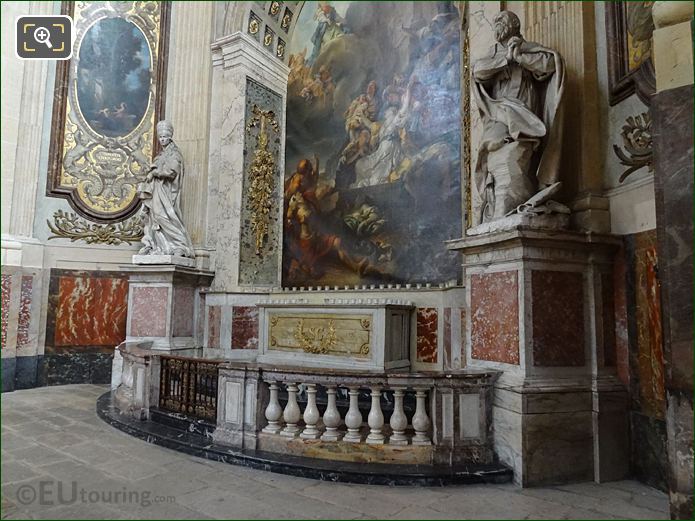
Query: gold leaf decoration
[[261, 175], [69, 226], [316, 340]]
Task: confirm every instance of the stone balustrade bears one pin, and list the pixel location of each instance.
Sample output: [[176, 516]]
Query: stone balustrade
[[327, 426], [330, 413]]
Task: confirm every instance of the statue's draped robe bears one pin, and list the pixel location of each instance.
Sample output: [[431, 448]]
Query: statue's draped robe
[[165, 233], [520, 102]]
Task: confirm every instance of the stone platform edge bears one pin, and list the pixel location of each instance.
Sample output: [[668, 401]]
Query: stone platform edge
[[312, 468]]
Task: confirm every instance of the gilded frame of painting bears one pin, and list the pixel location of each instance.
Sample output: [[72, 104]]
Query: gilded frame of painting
[[628, 74], [124, 159]]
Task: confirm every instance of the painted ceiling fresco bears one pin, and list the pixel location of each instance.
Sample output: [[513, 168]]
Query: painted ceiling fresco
[[372, 181]]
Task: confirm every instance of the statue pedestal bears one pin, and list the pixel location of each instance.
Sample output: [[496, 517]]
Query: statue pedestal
[[164, 259], [550, 222], [165, 306], [540, 309]]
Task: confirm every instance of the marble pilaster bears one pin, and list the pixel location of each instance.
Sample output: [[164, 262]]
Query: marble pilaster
[[569, 27], [188, 108], [672, 109], [236, 58]]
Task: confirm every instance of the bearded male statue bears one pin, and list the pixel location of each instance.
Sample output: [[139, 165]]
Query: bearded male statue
[[518, 91]]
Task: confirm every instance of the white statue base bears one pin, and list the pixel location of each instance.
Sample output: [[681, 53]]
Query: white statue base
[[553, 221], [164, 259]]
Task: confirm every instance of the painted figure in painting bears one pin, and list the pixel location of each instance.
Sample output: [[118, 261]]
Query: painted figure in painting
[[165, 233], [330, 26], [640, 27], [518, 90], [113, 81], [306, 227]]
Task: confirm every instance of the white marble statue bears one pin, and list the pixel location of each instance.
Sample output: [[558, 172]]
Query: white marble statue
[[518, 91], [165, 233]]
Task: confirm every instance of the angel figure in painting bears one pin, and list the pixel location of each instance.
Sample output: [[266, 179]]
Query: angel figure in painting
[[165, 233]]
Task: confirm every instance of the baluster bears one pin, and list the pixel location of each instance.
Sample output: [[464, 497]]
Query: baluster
[[291, 414], [311, 415], [375, 419], [421, 423], [331, 418], [353, 418], [273, 412], [399, 421]]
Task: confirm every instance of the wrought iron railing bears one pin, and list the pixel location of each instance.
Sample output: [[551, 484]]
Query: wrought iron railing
[[189, 387]]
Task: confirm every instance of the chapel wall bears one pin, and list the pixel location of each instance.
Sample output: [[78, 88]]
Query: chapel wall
[[65, 301]]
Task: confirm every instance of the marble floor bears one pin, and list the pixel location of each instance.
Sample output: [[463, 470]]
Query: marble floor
[[59, 461]]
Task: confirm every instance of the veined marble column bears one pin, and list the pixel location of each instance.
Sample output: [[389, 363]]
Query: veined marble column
[[672, 129], [237, 58], [188, 108], [30, 110]]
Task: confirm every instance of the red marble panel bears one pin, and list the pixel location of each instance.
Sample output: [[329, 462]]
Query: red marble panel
[[558, 318], [495, 317], [620, 307], [90, 311], [447, 337], [650, 349], [149, 314], [184, 311], [245, 327], [463, 336], [6, 283], [426, 347], [24, 319], [214, 325]]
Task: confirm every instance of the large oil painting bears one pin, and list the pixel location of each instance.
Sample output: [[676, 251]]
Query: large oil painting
[[373, 159]]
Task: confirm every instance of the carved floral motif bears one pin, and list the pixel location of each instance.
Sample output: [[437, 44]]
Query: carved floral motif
[[637, 141]]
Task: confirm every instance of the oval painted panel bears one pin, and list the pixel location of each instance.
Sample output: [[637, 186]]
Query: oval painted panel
[[113, 77]]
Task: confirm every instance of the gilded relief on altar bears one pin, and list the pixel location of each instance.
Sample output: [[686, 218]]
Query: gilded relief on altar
[[322, 334], [373, 159], [107, 99]]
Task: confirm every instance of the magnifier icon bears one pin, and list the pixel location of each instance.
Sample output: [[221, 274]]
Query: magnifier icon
[[43, 35]]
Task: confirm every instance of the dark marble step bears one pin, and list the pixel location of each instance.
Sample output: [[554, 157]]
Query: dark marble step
[[199, 445], [182, 422]]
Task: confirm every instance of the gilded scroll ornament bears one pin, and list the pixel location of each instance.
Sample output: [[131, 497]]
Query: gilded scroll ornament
[[316, 340], [69, 226], [637, 141], [261, 175]]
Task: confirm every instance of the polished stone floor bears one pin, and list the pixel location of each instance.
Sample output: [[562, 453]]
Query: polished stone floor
[[59, 461]]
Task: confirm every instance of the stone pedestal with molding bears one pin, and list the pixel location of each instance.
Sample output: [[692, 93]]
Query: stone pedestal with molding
[[165, 305], [541, 311]]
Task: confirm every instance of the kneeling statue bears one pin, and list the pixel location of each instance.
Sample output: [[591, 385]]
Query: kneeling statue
[[518, 91], [165, 233]]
